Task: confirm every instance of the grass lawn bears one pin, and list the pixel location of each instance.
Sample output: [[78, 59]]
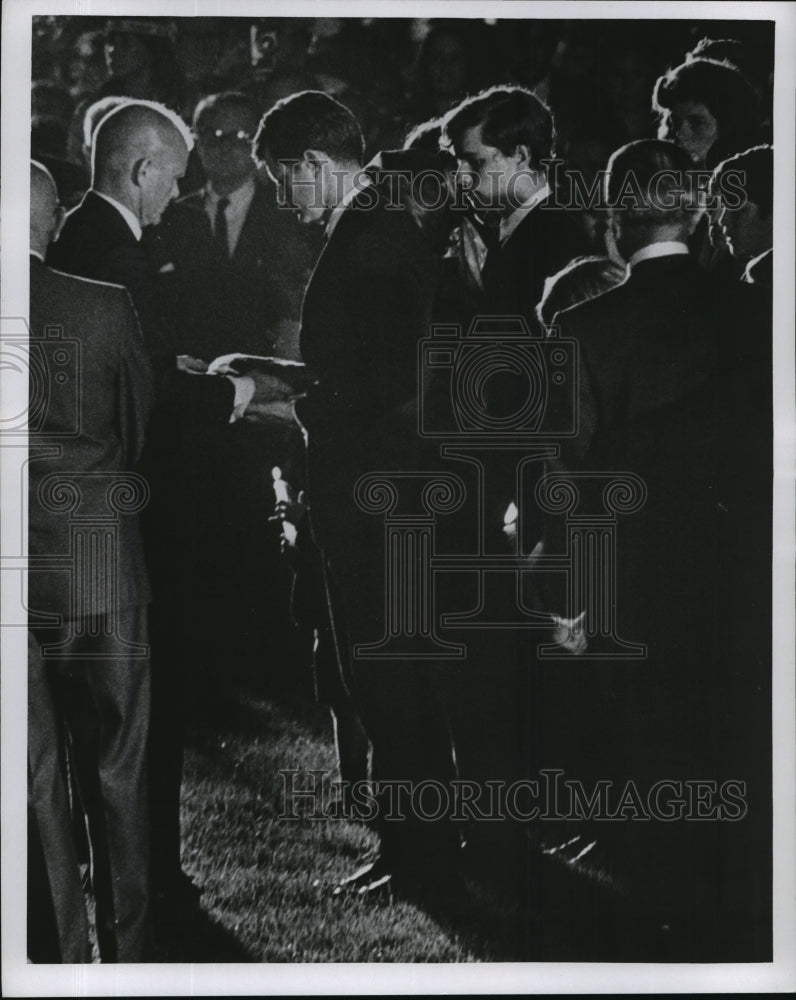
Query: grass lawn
[[266, 881]]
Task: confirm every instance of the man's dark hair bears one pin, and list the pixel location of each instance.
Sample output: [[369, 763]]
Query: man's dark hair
[[651, 182], [309, 120], [426, 136], [510, 116], [726, 94], [757, 167], [229, 98]]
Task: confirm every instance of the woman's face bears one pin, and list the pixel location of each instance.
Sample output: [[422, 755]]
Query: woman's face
[[692, 126]]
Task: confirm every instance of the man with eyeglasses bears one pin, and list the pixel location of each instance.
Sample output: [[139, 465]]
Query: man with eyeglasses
[[234, 263]]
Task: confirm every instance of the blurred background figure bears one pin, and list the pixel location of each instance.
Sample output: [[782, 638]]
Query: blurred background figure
[[445, 70], [141, 61], [87, 69]]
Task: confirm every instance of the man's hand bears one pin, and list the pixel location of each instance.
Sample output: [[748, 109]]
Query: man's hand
[[568, 633], [279, 412], [193, 366], [272, 401]]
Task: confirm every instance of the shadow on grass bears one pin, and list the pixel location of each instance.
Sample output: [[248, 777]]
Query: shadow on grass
[[255, 716], [542, 911], [195, 936]]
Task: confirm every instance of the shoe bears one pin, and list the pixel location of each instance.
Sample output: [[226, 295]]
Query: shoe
[[380, 880]]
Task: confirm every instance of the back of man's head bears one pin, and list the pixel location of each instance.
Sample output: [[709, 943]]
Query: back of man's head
[[309, 120], [93, 116], [650, 184], [134, 131], [753, 173], [43, 207], [509, 117]]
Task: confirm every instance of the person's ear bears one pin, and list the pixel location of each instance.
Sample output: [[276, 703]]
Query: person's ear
[[522, 154], [140, 171], [315, 159]]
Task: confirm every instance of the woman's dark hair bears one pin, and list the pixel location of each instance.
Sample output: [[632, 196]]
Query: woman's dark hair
[[723, 50], [726, 94], [309, 120]]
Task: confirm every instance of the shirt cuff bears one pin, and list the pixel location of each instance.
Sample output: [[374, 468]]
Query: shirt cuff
[[244, 393]]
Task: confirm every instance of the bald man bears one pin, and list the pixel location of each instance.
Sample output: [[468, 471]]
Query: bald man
[[103, 685], [140, 152]]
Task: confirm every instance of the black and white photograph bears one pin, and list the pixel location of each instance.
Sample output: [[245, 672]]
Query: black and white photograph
[[397, 442]]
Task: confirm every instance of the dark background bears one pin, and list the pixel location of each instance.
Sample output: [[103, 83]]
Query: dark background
[[597, 76]]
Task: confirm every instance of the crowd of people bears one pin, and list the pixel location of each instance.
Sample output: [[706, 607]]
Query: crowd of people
[[345, 191]]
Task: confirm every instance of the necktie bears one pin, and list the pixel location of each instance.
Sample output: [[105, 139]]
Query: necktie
[[220, 235]]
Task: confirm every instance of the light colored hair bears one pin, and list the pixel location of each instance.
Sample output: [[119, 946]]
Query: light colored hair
[[131, 125]]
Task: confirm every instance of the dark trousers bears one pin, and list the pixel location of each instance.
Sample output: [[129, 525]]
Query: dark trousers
[[398, 701], [105, 697], [57, 921]]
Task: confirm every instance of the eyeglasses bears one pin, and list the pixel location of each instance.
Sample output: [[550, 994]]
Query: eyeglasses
[[218, 137]]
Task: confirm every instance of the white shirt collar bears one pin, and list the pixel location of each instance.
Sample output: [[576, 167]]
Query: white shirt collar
[[124, 211], [361, 182], [37, 255], [668, 248], [510, 222]]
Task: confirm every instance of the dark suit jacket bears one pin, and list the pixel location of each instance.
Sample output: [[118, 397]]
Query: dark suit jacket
[[96, 418], [222, 305], [675, 386], [97, 243], [675, 372], [367, 305], [514, 273]]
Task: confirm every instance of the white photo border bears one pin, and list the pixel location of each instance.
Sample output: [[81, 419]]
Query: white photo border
[[22, 979]]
